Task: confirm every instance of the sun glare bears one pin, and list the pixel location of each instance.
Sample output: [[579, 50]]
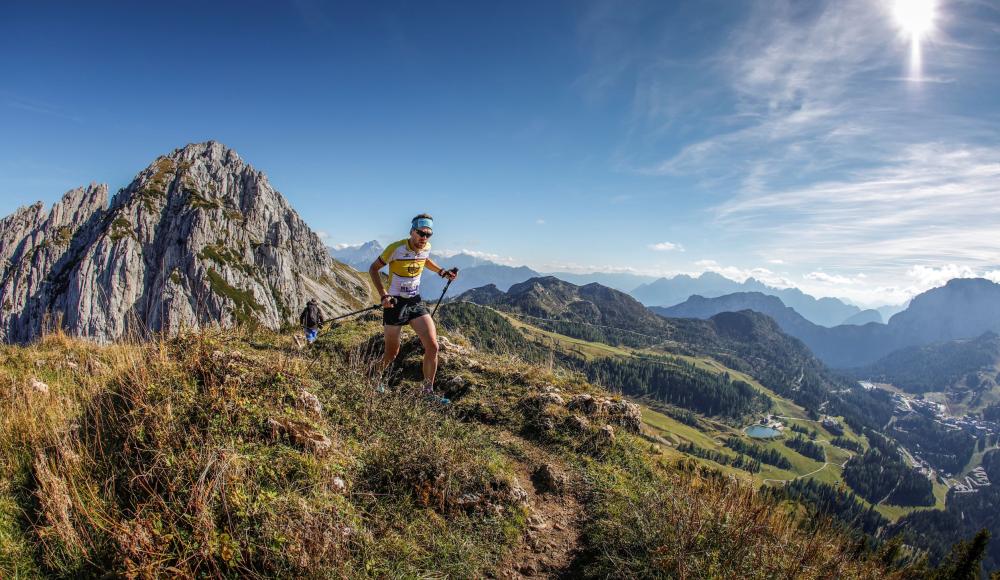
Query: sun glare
[[915, 17]]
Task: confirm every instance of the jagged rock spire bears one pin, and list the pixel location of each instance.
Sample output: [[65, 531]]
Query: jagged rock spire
[[198, 238]]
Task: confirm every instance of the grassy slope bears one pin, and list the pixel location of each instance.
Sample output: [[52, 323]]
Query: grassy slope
[[713, 436], [676, 432], [205, 456], [590, 350], [142, 456]]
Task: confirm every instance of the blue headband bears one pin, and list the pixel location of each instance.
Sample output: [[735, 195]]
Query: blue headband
[[422, 223]]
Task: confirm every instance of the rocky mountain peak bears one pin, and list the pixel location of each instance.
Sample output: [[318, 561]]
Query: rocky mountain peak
[[198, 237]]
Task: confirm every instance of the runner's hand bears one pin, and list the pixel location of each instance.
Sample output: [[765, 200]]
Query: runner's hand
[[388, 301], [449, 274]]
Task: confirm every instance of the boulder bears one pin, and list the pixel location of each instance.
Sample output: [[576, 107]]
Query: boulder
[[39, 386], [551, 399], [625, 414], [310, 403], [469, 501], [448, 346], [578, 423], [301, 434], [587, 404], [548, 479], [607, 434], [515, 494], [455, 387], [584, 403]]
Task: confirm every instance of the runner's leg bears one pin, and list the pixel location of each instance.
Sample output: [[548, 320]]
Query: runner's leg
[[391, 345], [425, 329]]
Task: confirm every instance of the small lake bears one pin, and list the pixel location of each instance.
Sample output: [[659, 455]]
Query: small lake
[[762, 432]]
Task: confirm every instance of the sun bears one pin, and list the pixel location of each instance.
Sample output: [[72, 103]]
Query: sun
[[915, 17]]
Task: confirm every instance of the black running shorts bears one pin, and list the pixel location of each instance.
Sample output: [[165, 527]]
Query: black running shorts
[[405, 310]]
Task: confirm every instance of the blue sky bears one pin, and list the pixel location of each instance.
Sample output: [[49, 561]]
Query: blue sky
[[798, 142]]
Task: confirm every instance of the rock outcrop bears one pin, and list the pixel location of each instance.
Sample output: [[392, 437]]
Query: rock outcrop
[[198, 238]]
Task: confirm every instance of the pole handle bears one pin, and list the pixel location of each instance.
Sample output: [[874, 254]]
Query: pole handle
[[443, 292]]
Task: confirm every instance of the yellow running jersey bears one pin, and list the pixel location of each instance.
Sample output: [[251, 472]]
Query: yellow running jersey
[[405, 267]]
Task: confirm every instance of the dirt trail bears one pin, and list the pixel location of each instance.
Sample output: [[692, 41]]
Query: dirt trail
[[552, 541]]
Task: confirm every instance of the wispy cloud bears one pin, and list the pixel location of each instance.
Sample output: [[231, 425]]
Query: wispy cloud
[[834, 157], [36, 106], [666, 247], [802, 92], [797, 79], [930, 205], [835, 278], [578, 268], [497, 258]]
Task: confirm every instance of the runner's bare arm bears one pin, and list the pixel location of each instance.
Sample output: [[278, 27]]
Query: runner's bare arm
[[434, 267], [377, 265]]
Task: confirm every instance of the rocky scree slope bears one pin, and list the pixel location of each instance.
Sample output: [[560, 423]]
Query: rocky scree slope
[[199, 237]]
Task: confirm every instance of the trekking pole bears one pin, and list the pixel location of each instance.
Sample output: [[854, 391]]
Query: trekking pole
[[373, 307], [443, 292]]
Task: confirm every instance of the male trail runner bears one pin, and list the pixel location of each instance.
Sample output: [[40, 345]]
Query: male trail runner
[[401, 303]]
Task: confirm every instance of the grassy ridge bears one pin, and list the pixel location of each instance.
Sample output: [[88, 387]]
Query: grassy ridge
[[229, 454], [208, 456]]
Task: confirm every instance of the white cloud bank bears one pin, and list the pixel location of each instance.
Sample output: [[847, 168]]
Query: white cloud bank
[[915, 280], [496, 258]]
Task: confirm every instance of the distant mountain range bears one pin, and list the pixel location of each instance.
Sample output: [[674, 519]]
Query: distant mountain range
[[746, 340], [650, 291], [790, 321], [821, 311], [864, 317], [358, 257], [619, 281], [963, 308], [475, 271]]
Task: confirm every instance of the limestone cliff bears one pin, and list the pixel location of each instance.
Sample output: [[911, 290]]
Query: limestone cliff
[[198, 238]]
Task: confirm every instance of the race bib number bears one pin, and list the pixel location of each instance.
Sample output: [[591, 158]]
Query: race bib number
[[409, 288]]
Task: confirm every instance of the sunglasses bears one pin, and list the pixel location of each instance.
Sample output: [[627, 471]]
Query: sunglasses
[[424, 234]]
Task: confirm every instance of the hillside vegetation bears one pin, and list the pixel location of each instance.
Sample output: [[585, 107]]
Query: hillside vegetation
[[233, 454], [676, 416]]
